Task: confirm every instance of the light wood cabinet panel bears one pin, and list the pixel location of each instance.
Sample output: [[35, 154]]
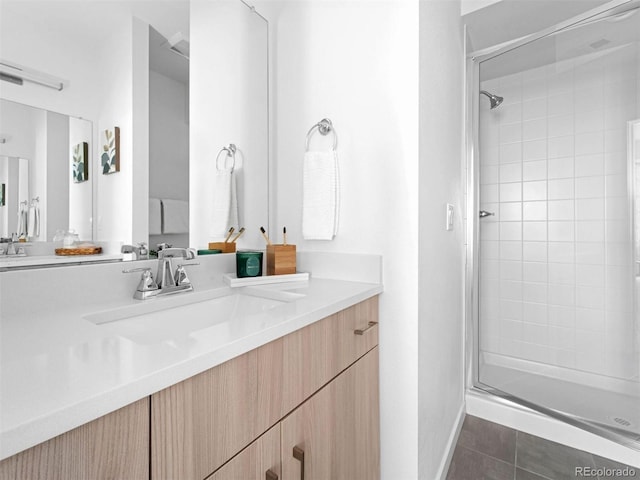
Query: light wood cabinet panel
[[337, 428], [198, 424], [255, 461], [115, 446], [315, 354]]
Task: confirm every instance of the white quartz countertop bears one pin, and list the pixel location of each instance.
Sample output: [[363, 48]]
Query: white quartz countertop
[[59, 370]]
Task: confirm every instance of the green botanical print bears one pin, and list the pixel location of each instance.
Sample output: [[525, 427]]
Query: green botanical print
[[79, 163], [109, 154]]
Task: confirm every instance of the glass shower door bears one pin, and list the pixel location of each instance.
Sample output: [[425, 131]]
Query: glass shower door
[[558, 320]]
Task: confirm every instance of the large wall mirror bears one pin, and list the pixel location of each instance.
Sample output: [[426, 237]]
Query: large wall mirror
[[171, 83]]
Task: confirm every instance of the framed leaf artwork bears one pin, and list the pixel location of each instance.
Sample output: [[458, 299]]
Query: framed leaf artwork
[[2, 194], [80, 159], [110, 159]]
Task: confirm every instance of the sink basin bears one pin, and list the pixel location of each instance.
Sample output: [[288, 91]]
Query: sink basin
[[178, 316]]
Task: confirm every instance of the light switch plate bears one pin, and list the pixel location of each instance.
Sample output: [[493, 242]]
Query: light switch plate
[[450, 213]]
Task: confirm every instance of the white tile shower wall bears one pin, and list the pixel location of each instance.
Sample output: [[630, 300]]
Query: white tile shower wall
[[556, 259]]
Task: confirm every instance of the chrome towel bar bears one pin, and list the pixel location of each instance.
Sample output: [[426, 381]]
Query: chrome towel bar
[[231, 152], [325, 127]]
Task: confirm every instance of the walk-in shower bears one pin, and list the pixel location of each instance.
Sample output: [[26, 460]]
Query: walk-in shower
[[554, 257]]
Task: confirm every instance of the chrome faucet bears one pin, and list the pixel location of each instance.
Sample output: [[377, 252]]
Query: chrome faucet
[[167, 282], [140, 251]]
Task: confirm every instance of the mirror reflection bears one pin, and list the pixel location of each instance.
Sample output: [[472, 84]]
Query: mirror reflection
[[168, 139], [177, 80], [45, 163]]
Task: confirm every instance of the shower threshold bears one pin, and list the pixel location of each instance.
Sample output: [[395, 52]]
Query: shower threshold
[[608, 414]]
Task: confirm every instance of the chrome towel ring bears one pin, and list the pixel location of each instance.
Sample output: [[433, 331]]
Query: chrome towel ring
[[231, 152], [325, 127]]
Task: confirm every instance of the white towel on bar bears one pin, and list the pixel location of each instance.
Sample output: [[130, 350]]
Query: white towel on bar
[[320, 197], [225, 204], [175, 216], [22, 220], [33, 227], [155, 216]]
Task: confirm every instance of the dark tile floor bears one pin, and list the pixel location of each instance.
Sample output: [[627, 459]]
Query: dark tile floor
[[488, 451]]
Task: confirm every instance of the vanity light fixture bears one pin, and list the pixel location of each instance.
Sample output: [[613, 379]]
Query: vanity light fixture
[[14, 73]]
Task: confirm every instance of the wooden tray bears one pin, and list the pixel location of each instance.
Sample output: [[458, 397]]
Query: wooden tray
[[78, 251]]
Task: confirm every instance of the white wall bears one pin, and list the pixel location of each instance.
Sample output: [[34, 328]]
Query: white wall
[[55, 214], [468, 6], [441, 277], [115, 191], [228, 98], [357, 64]]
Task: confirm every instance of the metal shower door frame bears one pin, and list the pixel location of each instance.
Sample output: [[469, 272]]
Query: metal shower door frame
[[472, 237]]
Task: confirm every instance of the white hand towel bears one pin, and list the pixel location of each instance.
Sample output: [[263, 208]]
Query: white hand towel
[[155, 216], [320, 198], [175, 216], [22, 220], [225, 204], [33, 224]]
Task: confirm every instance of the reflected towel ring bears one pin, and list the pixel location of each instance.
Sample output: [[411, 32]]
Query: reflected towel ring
[[324, 126], [231, 152]]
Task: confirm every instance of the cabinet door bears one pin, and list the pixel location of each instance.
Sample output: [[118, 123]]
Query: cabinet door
[[200, 423], [335, 434], [259, 461], [317, 353], [113, 446]]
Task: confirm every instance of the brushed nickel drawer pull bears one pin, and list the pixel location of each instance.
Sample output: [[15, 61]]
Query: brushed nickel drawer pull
[[369, 327], [270, 475], [298, 454]]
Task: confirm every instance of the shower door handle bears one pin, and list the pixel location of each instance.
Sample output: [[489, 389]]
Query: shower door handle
[[484, 213]]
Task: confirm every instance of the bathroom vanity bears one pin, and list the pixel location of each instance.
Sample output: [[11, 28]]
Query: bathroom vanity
[[289, 392]]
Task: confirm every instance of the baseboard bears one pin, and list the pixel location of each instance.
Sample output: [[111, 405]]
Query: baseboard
[[451, 444]]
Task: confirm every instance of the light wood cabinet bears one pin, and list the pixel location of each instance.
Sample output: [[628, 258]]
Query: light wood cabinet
[[115, 446], [200, 423], [259, 461], [335, 433], [314, 355], [315, 389]]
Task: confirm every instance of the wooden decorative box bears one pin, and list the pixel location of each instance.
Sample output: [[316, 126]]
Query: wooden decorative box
[[281, 259], [64, 252], [227, 247]]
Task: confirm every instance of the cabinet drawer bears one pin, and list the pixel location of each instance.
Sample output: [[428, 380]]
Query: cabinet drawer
[[314, 355], [259, 461]]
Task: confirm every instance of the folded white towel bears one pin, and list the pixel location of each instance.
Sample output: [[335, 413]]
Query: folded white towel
[[175, 216], [225, 204], [155, 216], [320, 198]]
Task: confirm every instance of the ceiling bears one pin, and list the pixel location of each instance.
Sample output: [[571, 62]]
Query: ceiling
[[92, 20], [510, 19], [588, 41]]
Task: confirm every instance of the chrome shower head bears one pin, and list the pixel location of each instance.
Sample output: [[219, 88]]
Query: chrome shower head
[[494, 99]]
